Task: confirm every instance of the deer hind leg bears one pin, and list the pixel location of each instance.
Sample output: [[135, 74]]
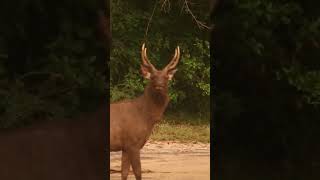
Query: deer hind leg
[[134, 156], [125, 165]]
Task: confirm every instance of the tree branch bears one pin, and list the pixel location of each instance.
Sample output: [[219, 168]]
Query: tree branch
[[150, 19], [200, 24]]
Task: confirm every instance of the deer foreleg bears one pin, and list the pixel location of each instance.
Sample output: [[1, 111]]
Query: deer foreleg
[[125, 165], [134, 156]]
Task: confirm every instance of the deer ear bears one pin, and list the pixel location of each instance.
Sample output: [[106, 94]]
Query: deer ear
[[145, 72], [171, 74]]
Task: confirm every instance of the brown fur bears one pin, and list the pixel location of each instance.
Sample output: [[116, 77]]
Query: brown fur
[[132, 121]]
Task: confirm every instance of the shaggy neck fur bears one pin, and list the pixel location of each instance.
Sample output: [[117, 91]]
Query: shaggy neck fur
[[155, 102]]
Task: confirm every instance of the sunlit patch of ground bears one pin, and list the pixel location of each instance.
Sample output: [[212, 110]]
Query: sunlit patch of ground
[[169, 161]]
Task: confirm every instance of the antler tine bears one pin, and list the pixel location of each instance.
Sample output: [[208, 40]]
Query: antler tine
[[174, 61], [173, 58], [142, 55], [144, 58]]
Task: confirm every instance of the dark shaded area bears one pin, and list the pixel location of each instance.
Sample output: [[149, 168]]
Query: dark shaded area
[[53, 74], [56, 150], [52, 59], [267, 78]]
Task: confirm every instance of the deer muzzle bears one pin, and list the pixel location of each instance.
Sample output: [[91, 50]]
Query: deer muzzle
[[159, 88]]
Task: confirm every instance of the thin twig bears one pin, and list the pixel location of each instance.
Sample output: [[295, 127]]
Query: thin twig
[[165, 2], [199, 23], [149, 22]]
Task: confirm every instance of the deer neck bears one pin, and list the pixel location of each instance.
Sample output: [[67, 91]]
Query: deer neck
[[155, 103]]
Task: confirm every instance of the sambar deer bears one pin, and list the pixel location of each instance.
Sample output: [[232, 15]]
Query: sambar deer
[[132, 121]]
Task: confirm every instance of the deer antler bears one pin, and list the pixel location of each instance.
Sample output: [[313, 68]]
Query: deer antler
[[144, 58], [174, 61]]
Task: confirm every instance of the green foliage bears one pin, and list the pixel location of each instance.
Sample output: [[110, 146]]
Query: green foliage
[[268, 74], [306, 82], [49, 68], [190, 89], [270, 38]]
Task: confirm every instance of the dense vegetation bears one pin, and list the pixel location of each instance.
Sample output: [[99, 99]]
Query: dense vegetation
[[52, 64], [134, 22], [268, 87]]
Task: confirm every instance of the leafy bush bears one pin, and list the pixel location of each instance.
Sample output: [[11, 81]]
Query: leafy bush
[[190, 89]]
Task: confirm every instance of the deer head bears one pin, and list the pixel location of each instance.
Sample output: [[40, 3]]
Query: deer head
[[159, 78]]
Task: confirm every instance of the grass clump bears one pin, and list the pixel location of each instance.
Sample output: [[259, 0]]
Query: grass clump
[[182, 128]]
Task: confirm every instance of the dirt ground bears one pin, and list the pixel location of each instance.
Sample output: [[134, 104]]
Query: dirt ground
[[168, 161]]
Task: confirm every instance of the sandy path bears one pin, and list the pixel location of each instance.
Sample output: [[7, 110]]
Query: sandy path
[[169, 161]]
